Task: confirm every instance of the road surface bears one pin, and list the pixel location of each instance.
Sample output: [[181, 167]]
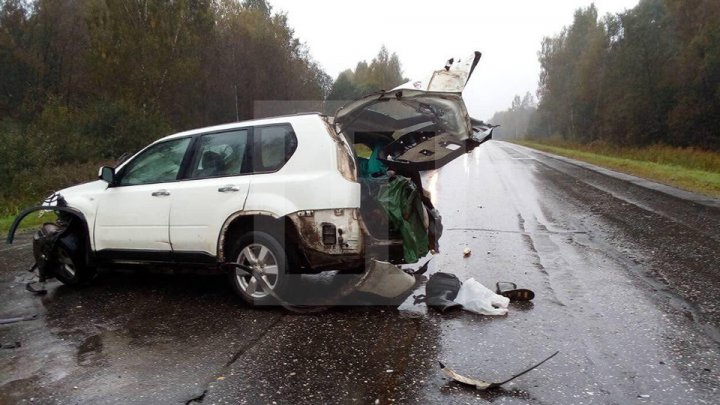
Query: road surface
[[626, 282]]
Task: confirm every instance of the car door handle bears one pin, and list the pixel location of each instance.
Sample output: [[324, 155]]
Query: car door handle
[[160, 193], [228, 189]]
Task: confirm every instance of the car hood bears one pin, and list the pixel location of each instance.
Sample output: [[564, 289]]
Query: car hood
[[92, 187], [421, 124]]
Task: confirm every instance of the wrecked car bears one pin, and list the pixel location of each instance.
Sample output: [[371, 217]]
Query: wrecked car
[[273, 197]]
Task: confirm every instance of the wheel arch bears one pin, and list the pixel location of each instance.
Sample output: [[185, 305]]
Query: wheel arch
[[78, 222], [282, 228], [68, 211]]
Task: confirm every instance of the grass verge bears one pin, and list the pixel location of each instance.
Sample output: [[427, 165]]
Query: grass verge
[[685, 168], [31, 221]]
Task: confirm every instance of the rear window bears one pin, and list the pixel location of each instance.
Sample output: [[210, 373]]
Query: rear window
[[274, 145], [220, 155]]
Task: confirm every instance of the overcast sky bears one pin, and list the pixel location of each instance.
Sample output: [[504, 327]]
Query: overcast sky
[[425, 34]]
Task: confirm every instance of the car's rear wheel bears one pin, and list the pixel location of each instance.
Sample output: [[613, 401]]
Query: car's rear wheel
[[262, 252]]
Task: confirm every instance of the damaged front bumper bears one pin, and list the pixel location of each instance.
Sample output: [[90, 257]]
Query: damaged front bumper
[[58, 207]]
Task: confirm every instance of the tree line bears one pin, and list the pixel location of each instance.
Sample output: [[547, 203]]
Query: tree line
[[515, 121], [649, 75], [118, 74], [87, 80], [382, 73]]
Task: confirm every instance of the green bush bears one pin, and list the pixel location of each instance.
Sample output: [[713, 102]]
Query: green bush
[[65, 146], [119, 127]]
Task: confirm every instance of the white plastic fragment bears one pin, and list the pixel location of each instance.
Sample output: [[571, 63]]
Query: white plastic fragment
[[475, 297]]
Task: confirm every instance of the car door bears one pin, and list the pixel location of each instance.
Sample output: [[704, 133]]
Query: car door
[[133, 213], [215, 186]]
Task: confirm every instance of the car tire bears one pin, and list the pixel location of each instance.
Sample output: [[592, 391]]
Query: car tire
[[71, 265], [273, 259]]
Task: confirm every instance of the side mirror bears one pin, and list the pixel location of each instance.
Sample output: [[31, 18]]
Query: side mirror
[[107, 174]]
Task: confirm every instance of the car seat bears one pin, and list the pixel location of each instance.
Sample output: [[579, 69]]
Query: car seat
[[212, 164]]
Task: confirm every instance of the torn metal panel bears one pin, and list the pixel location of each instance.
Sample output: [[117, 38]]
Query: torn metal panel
[[385, 279]]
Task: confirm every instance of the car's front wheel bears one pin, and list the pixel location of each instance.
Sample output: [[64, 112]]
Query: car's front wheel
[[260, 251], [71, 268]]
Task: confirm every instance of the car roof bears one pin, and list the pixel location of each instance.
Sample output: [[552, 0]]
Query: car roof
[[242, 124]]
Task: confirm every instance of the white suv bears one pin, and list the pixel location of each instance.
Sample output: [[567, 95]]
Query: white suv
[[282, 195]]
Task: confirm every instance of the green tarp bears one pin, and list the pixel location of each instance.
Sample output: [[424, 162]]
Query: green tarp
[[400, 199]]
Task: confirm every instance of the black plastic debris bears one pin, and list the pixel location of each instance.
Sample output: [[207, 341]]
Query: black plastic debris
[[441, 290]]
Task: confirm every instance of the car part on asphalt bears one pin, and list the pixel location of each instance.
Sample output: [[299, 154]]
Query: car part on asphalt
[[384, 279], [486, 385], [36, 287], [510, 290], [440, 291], [6, 321], [380, 278]]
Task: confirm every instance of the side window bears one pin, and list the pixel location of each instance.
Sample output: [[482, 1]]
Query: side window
[[159, 163], [220, 155], [273, 147]]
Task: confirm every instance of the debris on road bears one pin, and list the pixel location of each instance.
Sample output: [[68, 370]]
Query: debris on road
[[36, 287], [485, 385], [384, 279], [5, 321], [440, 291], [510, 290], [445, 291], [475, 297], [467, 252]]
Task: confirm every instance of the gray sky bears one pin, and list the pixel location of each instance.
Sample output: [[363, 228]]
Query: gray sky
[[425, 34]]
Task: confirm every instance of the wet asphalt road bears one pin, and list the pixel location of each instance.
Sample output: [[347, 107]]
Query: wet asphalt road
[[626, 281]]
